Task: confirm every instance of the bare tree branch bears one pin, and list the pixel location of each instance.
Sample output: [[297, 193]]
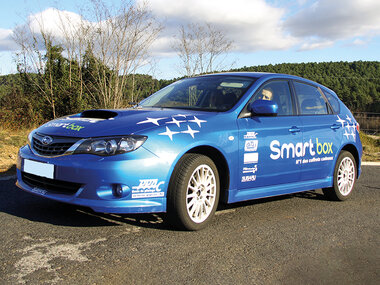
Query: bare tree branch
[[201, 48]]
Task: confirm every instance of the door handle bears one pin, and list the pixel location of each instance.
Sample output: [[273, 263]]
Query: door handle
[[335, 127], [294, 129]]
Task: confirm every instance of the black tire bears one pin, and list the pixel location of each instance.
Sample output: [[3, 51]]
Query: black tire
[[345, 173], [188, 208]]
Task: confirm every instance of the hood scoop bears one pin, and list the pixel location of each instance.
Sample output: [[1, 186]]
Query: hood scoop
[[98, 114]]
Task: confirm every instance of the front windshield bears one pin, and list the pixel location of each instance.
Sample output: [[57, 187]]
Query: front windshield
[[209, 93]]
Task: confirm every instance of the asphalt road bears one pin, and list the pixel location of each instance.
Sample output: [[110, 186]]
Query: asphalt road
[[294, 239]]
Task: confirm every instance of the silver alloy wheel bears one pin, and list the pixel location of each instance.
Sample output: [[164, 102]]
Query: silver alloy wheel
[[346, 176], [201, 192]]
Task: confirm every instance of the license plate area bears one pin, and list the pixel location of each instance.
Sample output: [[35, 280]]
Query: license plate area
[[39, 168]]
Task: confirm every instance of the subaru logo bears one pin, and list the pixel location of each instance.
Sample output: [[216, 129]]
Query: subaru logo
[[47, 140]]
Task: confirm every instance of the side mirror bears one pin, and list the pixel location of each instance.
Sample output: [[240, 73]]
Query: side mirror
[[263, 108]]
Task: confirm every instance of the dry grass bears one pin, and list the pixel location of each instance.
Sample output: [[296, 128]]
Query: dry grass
[[11, 141], [371, 147]]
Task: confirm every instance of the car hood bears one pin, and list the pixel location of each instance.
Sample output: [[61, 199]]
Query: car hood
[[98, 123]]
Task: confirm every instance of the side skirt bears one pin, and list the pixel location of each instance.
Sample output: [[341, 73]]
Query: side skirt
[[276, 190]]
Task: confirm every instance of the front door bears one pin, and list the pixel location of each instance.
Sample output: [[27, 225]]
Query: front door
[[269, 147]]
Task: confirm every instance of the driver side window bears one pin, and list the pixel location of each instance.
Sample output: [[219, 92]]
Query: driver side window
[[279, 92]]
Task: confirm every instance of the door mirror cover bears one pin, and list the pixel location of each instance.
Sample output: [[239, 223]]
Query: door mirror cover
[[263, 108]]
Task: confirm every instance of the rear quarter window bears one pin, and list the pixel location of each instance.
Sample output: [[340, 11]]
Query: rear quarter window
[[334, 102]]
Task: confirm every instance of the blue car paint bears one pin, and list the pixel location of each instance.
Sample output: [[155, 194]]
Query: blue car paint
[[173, 132]]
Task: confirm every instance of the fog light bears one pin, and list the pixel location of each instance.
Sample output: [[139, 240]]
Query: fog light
[[118, 190]]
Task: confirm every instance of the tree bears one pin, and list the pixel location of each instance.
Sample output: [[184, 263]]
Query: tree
[[201, 48], [120, 41], [115, 46]]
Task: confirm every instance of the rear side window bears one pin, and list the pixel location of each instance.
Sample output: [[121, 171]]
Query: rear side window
[[333, 101], [310, 99]]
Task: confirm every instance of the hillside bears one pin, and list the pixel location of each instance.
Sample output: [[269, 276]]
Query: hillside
[[356, 83], [22, 104]]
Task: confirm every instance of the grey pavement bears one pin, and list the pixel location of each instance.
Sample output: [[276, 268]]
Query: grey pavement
[[293, 239]]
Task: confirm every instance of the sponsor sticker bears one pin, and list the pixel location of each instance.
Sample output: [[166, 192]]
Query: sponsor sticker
[[251, 145], [250, 135], [250, 169], [248, 178], [300, 149], [38, 191], [148, 188], [68, 126], [250, 158]]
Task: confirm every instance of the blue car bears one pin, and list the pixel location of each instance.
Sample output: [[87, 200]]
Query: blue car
[[226, 137]]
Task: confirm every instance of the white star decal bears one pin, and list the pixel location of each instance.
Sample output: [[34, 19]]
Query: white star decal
[[340, 121], [168, 133], [346, 134], [174, 121], [197, 121], [348, 118], [353, 135], [190, 131], [151, 120]]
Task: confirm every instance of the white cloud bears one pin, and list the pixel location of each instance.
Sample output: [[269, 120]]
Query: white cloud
[[329, 21], [55, 22], [252, 24], [315, 45], [6, 41], [359, 42]]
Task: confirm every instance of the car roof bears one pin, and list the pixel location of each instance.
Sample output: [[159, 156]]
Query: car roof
[[255, 75], [268, 75]]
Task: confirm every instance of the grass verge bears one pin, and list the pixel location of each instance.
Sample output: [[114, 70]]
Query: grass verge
[[371, 147], [10, 142]]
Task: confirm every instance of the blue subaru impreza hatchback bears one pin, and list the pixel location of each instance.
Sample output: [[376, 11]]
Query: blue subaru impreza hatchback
[[224, 137]]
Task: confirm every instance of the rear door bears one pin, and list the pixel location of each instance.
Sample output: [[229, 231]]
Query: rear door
[[320, 131]]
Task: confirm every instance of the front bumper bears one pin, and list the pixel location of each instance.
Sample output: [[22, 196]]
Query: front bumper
[[91, 181]]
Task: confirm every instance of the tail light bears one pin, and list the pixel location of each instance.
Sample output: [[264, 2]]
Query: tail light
[[358, 127]]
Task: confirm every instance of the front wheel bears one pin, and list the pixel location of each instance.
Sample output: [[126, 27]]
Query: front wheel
[[344, 177], [193, 194]]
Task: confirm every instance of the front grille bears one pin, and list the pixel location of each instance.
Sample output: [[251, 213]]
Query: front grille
[[58, 147], [51, 185]]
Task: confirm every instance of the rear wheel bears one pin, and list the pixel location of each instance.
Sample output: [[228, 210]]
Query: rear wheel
[[344, 177], [193, 192]]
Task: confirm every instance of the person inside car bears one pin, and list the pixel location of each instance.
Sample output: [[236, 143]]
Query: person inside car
[[266, 94]]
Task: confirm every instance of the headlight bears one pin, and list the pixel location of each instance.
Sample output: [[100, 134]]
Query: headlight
[[110, 146]]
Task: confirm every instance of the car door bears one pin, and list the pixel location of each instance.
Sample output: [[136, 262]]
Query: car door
[[267, 145], [320, 130]]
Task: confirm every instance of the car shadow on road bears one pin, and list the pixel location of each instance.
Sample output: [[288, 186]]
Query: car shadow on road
[[16, 202]]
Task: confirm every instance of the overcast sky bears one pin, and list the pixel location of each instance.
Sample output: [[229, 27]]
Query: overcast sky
[[263, 31]]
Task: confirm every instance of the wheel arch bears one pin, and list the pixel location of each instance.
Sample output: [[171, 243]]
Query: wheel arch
[[221, 163], [353, 150]]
